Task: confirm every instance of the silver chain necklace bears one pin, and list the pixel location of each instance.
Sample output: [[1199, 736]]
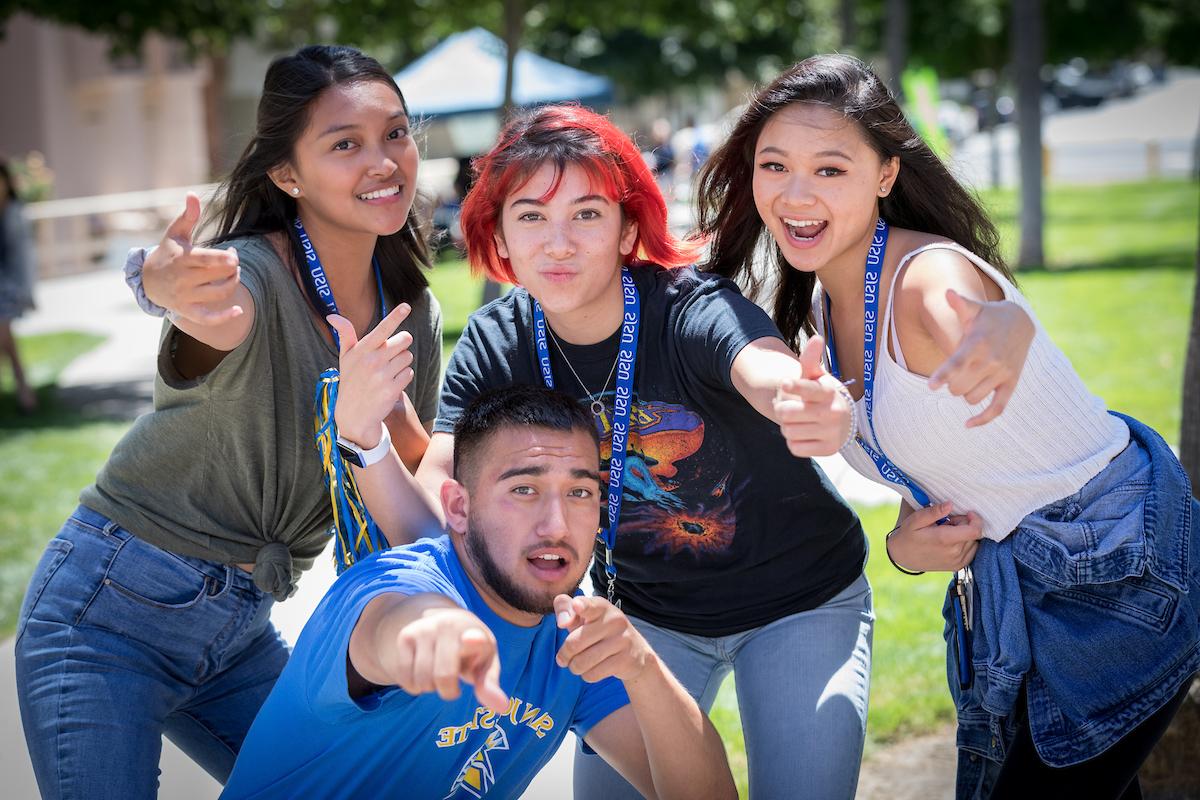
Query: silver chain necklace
[[597, 405]]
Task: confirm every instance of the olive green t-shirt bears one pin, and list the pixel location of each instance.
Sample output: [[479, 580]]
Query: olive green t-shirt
[[228, 462]]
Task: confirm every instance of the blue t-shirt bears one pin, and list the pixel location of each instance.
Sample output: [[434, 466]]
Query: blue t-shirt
[[312, 740]]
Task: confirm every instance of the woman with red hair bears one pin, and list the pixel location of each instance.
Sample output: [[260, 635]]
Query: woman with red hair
[[731, 553]]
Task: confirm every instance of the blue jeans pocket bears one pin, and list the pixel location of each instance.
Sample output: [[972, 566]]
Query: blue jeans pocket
[[52, 558], [1142, 601], [148, 593]]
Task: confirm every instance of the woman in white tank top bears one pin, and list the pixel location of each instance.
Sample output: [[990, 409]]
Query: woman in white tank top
[[1073, 643]]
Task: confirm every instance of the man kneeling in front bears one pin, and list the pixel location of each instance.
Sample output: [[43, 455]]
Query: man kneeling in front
[[373, 702]]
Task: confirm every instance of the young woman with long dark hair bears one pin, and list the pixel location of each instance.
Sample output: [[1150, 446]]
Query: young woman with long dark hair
[[149, 613], [1072, 625]]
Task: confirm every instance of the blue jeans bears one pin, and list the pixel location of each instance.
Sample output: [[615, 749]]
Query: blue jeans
[[802, 684], [120, 642]]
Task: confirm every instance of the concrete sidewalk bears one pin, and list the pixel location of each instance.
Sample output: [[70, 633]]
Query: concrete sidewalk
[[117, 379]]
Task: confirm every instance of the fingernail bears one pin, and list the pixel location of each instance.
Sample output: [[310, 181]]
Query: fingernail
[[563, 618]]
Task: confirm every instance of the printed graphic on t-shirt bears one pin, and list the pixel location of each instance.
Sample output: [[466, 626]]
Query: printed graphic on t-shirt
[[478, 773], [677, 499]]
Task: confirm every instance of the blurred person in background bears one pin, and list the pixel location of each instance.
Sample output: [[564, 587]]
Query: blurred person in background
[[16, 282]]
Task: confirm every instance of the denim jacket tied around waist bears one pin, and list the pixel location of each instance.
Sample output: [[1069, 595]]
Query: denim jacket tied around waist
[[1091, 603]]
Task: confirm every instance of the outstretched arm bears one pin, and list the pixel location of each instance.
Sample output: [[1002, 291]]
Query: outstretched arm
[[661, 742], [810, 406], [425, 643], [201, 289]]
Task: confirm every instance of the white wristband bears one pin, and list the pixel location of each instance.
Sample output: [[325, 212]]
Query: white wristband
[[845, 393], [365, 458]]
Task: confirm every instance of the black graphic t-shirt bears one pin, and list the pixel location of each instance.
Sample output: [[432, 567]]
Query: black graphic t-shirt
[[722, 529]]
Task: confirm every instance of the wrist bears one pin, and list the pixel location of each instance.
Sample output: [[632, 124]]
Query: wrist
[[887, 541], [649, 672], [134, 262], [355, 453], [853, 432], [366, 437]]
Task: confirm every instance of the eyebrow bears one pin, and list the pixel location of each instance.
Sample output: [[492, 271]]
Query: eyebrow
[[353, 125], [515, 472], [822, 154], [587, 198]]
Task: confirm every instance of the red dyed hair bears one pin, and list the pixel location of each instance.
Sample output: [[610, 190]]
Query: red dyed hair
[[562, 135]]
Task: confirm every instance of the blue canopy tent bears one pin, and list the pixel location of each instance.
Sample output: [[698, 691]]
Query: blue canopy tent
[[465, 73]]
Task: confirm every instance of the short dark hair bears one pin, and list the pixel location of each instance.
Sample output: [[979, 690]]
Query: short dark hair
[[512, 406]]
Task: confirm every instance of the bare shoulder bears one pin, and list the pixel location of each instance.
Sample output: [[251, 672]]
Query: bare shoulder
[[932, 271]]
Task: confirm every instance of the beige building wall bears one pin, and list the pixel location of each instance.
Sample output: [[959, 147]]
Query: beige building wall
[[104, 125]]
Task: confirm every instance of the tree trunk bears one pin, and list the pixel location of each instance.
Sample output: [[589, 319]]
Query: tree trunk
[[896, 41], [847, 10], [514, 28], [1189, 434], [1028, 53], [1172, 770], [214, 112]]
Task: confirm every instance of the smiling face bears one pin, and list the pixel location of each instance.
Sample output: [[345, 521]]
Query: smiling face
[[817, 183], [566, 248], [356, 163], [527, 517]]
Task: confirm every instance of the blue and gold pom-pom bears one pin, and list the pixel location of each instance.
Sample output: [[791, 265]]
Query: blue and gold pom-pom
[[355, 533]]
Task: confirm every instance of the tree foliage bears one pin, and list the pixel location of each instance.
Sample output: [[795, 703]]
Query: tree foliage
[[202, 24], [652, 45]]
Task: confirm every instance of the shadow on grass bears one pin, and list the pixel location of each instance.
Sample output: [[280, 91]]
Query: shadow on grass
[[76, 406], [1174, 259], [1011, 216]]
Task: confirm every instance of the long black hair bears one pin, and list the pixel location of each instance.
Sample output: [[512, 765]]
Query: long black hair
[[251, 204], [925, 196]]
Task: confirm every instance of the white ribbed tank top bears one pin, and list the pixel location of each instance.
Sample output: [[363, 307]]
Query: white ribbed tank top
[[1053, 437]]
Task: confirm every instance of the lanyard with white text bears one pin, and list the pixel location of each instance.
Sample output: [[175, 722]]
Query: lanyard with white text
[[961, 588], [354, 530], [871, 272], [318, 284], [622, 404]]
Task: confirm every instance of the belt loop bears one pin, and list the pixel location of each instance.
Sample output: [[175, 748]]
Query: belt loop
[[228, 582]]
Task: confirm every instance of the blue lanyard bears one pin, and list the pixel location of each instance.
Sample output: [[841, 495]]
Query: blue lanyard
[[871, 273], [961, 588], [622, 405], [355, 533], [318, 285]]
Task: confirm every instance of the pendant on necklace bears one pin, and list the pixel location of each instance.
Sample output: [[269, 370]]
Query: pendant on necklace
[[597, 408]]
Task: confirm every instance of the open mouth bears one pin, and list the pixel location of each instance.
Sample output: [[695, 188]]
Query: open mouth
[[550, 566], [380, 194], [804, 231]]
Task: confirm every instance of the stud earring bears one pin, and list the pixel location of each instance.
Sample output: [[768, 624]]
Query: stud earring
[[883, 191], [295, 191]]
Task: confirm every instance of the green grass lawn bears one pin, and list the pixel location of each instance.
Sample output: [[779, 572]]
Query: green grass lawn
[[45, 459], [1115, 295]]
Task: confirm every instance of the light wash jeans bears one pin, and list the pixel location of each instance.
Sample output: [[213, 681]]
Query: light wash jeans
[[802, 685], [119, 642]]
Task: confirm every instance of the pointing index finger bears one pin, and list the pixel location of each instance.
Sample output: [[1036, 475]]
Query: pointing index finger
[[381, 332]]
